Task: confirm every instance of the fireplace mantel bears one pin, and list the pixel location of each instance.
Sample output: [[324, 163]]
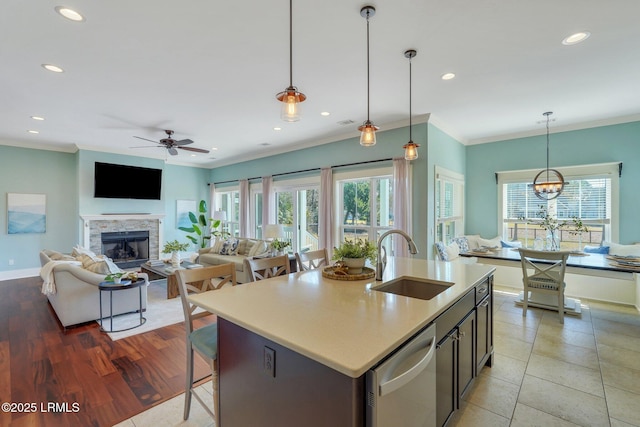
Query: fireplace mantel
[[93, 225]]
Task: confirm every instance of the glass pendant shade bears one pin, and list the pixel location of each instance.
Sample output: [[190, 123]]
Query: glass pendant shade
[[291, 100], [368, 134], [548, 183], [410, 150]]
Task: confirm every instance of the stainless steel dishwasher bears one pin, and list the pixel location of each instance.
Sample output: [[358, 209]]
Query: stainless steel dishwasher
[[401, 391]]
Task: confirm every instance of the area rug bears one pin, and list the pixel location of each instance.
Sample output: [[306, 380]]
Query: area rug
[[160, 312]]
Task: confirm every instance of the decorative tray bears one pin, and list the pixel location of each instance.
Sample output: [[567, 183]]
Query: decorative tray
[[338, 273]]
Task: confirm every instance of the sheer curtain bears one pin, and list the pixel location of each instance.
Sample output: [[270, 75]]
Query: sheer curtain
[[268, 202], [401, 203], [325, 217], [212, 205], [245, 209]]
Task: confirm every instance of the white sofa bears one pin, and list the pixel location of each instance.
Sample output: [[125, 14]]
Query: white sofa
[[77, 300], [245, 248]]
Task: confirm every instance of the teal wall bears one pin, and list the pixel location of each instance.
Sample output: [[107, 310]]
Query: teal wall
[[389, 145], [588, 146], [67, 180], [42, 172]]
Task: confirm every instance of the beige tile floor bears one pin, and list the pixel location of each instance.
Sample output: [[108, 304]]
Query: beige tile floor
[[585, 372]]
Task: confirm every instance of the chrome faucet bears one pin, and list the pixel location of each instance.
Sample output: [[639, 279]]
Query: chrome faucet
[[381, 262]]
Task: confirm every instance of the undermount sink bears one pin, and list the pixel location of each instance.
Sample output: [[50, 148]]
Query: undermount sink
[[414, 288]]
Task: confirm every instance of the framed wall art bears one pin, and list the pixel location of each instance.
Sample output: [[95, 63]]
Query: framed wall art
[[26, 213], [183, 207]]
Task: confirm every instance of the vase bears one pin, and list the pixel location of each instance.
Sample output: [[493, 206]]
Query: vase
[[117, 280], [175, 259], [354, 265], [553, 242]]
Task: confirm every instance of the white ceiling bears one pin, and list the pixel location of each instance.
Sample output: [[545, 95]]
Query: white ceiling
[[210, 70]]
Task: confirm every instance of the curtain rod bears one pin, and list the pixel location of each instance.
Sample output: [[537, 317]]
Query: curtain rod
[[307, 170]]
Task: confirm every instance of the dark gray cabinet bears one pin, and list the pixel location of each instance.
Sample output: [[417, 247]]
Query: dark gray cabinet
[[484, 318], [465, 344]]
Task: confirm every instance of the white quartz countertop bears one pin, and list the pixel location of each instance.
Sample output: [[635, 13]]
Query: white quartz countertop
[[345, 325]]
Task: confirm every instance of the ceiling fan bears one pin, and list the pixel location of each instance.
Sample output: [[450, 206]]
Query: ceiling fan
[[171, 144]]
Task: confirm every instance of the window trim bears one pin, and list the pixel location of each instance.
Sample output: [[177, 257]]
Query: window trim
[[443, 174]]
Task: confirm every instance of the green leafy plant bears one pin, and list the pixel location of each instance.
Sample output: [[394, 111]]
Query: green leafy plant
[[280, 245], [357, 248], [174, 246], [203, 227], [578, 226], [111, 277]]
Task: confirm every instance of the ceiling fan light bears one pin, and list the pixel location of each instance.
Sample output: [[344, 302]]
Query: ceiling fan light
[[291, 100], [368, 134], [410, 150]]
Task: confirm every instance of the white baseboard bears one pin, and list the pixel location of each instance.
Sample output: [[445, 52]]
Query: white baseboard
[[20, 274]]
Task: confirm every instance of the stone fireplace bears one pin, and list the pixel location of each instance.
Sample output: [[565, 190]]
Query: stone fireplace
[[133, 225]]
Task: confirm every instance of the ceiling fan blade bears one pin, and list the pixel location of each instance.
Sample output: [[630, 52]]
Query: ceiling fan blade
[[172, 151], [196, 150], [183, 142], [149, 146], [150, 140]]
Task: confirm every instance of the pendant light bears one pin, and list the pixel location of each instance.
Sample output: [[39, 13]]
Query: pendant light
[[549, 183], [410, 148], [290, 97], [368, 129]]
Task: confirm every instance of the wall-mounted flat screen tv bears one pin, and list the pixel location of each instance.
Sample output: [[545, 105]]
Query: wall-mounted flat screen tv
[[127, 182]]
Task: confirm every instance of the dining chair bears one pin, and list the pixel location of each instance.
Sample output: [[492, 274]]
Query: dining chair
[[203, 340], [264, 268], [312, 259], [543, 272]]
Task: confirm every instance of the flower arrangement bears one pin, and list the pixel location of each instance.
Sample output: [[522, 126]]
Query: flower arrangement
[[357, 248], [174, 246], [114, 277]]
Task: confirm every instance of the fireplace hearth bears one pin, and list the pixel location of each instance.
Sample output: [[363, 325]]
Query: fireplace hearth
[[127, 249]]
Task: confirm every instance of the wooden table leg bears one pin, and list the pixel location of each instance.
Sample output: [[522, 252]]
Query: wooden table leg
[[172, 286]]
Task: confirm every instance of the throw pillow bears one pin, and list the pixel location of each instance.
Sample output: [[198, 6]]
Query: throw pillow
[[79, 250], [489, 243], [596, 250], [463, 243], [242, 247], [229, 247], [442, 251], [624, 250], [453, 251], [472, 240], [258, 248], [217, 245], [101, 265], [513, 244]]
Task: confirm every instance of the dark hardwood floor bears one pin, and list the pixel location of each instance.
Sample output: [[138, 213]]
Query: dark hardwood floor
[[101, 382]]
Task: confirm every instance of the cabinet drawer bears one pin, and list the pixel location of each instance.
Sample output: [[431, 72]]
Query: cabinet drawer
[[450, 318], [482, 290]]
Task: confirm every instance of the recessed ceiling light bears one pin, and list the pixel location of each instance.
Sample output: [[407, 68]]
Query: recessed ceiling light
[[325, 113], [37, 118], [448, 76], [33, 131], [277, 128], [53, 68], [69, 13], [214, 148], [193, 155], [576, 38]]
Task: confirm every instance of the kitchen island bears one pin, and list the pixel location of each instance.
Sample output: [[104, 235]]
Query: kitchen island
[[295, 348]]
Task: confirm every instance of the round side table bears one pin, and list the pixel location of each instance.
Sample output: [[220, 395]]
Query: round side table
[[112, 287]]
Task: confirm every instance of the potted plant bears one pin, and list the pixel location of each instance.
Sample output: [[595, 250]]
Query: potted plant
[[280, 245], [354, 254], [114, 277], [174, 248]]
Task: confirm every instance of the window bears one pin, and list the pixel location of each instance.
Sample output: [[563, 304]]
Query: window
[[449, 204], [590, 194], [366, 207], [229, 202], [297, 210]]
